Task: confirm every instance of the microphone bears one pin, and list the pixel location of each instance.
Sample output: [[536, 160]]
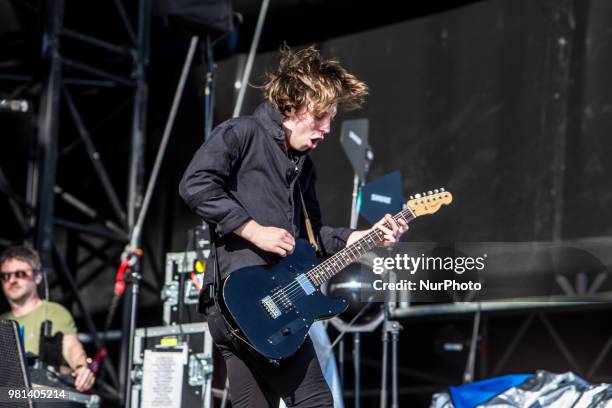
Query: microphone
[[45, 328], [50, 347]]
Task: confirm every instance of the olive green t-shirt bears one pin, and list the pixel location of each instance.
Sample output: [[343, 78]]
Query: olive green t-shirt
[[56, 313]]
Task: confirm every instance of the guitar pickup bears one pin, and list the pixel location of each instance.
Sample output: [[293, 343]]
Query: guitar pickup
[[271, 308], [305, 283]]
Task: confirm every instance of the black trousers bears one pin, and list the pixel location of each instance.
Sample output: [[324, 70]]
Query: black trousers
[[255, 382]]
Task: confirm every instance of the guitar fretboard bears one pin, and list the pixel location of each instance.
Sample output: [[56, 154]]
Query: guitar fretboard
[[330, 267]]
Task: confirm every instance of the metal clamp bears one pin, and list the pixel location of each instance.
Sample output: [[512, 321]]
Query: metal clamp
[[170, 293], [200, 368]]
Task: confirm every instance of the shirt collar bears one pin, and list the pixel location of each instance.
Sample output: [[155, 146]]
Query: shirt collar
[[272, 120]]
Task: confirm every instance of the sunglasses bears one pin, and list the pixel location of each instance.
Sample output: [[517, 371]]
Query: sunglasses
[[6, 276]]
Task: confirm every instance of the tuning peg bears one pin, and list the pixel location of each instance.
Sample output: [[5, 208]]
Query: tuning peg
[[417, 196], [423, 194], [436, 191], [442, 189], [411, 197], [429, 192]]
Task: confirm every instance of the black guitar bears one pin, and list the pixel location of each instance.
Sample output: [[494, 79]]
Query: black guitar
[[274, 306]]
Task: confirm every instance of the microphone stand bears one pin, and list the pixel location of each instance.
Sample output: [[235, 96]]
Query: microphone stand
[[357, 186], [389, 327], [132, 252]]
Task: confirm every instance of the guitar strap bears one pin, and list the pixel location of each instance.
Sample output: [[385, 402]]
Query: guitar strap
[[309, 230], [217, 277]]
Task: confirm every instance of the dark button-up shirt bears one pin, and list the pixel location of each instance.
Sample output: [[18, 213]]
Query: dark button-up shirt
[[242, 172]]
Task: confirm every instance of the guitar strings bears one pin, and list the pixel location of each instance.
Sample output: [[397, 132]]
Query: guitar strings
[[295, 286], [311, 274], [292, 291]]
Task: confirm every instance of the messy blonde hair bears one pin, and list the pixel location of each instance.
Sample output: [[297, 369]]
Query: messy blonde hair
[[304, 78]]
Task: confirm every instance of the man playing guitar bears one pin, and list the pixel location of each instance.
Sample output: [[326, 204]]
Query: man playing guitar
[[254, 184]]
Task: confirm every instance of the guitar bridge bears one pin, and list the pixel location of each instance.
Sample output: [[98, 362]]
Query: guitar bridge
[[271, 308]]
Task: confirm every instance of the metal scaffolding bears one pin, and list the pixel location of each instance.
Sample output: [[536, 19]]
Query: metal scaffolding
[[61, 74]]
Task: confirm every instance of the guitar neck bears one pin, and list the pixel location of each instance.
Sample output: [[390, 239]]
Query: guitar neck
[[329, 268]]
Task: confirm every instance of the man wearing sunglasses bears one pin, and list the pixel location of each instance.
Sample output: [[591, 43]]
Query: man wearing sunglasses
[[20, 275]]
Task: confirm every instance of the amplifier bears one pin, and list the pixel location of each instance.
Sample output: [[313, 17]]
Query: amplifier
[[21, 386], [14, 369]]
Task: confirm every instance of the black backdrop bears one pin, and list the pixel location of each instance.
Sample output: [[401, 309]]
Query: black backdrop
[[504, 103]]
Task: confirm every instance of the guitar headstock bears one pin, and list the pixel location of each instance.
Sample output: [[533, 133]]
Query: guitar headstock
[[430, 202]]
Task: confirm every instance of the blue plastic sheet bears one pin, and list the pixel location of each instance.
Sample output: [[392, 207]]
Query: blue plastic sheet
[[473, 394], [543, 390]]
